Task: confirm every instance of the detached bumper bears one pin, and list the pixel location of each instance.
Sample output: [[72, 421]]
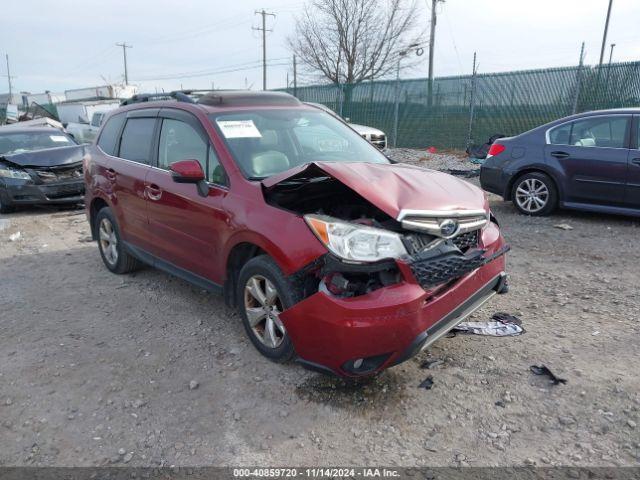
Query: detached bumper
[[363, 335], [16, 192], [494, 180]]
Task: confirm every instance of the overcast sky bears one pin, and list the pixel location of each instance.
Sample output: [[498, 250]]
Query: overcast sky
[[63, 44]]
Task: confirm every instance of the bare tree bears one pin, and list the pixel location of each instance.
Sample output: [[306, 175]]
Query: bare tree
[[349, 41]]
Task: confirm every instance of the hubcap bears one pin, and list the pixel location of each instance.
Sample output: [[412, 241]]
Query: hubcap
[[532, 195], [108, 241], [263, 306]]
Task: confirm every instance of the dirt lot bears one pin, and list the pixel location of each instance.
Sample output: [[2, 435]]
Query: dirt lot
[[95, 369]]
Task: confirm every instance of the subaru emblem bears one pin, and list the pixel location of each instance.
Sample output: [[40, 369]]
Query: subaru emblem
[[448, 228]]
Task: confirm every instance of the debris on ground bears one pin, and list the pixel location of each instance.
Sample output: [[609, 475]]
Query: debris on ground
[[427, 383], [563, 226], [193, 385], [544, 370], [464, 173], [501, 325], [14, 237], [431, 363], [481, 151]]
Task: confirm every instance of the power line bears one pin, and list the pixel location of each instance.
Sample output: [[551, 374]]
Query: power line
[[249, 66], [124, 54], [264, 43]]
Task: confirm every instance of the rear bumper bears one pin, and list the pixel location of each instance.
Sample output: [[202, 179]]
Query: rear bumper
[[27, 193], [494, 180], [389, 325]]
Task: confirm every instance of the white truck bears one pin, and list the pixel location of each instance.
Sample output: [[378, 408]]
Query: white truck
[[82, 120]]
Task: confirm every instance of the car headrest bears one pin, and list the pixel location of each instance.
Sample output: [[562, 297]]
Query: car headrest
[[268, 163]]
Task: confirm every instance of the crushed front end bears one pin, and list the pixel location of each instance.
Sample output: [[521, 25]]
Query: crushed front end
[[361, 314]]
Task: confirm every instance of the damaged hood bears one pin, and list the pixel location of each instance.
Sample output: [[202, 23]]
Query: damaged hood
[[393, 187], [50, 157]]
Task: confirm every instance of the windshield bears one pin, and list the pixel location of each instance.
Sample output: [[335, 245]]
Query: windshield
[[20, 142], [267, 142]]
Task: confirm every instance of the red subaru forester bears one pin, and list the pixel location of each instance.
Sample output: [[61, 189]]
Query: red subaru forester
[[332, 253]]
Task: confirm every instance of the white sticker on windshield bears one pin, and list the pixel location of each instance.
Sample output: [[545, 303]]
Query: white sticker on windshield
[[58, 138], [239, 129]]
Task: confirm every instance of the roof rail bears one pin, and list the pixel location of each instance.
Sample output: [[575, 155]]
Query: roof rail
[[247, 98], [180, 96]]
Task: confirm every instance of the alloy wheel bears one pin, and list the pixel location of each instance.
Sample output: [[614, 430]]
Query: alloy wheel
[[263, 306], [532, 195], [108, 241]]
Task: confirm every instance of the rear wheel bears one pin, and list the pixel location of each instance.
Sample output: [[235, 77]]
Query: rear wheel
[[535, 194], [112, 250], [263, 293]]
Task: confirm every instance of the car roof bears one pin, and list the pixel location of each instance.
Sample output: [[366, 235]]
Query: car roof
[[213, 101], [610, 111], [12, 129]]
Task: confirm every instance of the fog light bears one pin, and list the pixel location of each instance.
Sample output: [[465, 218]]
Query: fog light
[[363, 366]]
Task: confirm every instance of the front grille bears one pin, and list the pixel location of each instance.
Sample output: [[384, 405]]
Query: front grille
[[417, 242], [436, 271], [466, 241], [59, 174], [62, 191]]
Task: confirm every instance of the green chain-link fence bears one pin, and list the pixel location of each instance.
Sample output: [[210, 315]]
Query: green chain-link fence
[[507, 103]]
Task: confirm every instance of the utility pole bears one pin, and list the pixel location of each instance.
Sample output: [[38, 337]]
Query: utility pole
[[472, 103], [264, 43], [576, 95], [295, 77], [432, 44], [611, 53], [604, 36], [8, 76], [124, 54]]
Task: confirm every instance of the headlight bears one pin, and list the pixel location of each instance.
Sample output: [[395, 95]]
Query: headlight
[[9, 172], [353, 242]]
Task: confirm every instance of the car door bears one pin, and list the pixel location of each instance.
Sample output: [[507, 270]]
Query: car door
[[128, 173], [591, 154], [187, 225], [632, 189]]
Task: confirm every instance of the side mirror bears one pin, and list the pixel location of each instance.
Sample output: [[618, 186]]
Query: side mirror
[[186, 171]]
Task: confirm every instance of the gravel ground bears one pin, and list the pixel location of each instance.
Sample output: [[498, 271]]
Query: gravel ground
[[147, 370]]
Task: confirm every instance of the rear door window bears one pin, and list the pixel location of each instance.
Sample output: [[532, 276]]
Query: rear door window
[[136, 140], [600, 131], [109, 137]]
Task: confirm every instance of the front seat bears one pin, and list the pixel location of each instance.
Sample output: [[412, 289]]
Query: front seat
[[269, 160]]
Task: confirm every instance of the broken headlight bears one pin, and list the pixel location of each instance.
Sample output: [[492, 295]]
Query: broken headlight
[[353, 242], [8, 172]]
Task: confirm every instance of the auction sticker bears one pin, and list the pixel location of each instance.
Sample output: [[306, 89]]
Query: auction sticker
[[239, 129], [58, 138]]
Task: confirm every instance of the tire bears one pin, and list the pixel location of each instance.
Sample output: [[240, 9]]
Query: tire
[[262, 269], [112, 249], [535, 194]]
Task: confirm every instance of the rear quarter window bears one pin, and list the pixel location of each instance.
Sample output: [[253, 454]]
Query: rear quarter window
[[108, 140]]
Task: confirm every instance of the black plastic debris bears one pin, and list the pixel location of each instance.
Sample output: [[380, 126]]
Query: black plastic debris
[[464, 173], [431, 363], [503, 317], [481, 151], [500, 403], [427, 383], [544, 370]]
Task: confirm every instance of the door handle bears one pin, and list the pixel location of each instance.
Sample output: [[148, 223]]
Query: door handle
[[636, 161], [560, 154], [111, 174], [154, 192]]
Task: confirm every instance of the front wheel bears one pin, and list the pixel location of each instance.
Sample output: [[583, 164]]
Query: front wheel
[[535, 194], [263, 293]]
